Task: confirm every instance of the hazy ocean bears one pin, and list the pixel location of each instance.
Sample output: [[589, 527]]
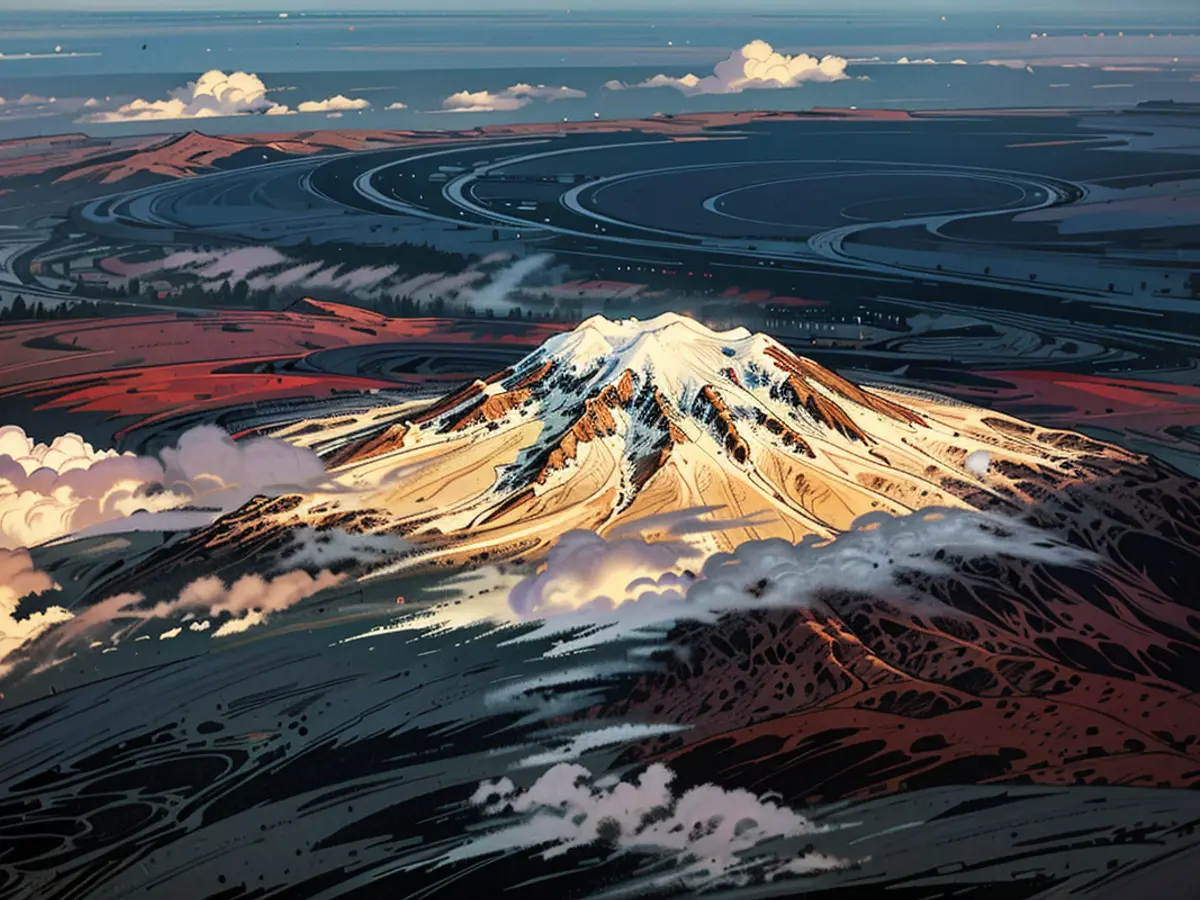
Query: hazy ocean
[[418, 59]]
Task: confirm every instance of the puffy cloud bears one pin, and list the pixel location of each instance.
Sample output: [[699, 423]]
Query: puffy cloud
[[213, 94], [904, 61], [338, 103], [18, 579], [709, 836], [397, 105], [584, 571], [515, 97], [978, 462], [49, 491], [756, 65], [958, 62]]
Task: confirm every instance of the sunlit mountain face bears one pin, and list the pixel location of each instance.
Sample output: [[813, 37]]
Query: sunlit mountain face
[[616, 422]]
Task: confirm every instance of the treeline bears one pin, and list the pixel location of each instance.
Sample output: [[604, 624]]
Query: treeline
[[415, 258], [22, 311], [408, 308]]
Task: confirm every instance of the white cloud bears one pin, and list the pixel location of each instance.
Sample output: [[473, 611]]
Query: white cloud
[[338, 103], [397, 105], [517, 96], [978, 462], [335, 115], [19, 579], [49, 491], [958, 62], [904, 61], [585, 571], [709, 835], [213, 94], [756, 65]]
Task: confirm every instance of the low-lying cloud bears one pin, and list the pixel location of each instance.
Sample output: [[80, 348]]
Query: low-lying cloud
[[29, 100], [48, 491], [19, 578], [239, 606], [486, 284], [701, 838], [757, 65], [585, 571], [511, 98], [598, 589], [216, 94]]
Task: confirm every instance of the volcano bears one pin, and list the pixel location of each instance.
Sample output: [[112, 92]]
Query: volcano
[[616, 422]]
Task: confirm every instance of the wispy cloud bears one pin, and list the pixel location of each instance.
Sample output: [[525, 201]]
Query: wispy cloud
[[515, 97], [710, 836]]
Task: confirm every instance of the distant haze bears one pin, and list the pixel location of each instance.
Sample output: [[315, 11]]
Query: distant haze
[[798, 7]]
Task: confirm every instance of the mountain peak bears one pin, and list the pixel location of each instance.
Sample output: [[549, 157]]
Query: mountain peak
[[620, 330], [677, 352], [621, 420]]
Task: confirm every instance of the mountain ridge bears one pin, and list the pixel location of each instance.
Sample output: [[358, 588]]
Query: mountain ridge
[[618, 421]]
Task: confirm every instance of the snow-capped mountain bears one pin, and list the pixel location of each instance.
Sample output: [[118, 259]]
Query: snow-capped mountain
[[618, 421]]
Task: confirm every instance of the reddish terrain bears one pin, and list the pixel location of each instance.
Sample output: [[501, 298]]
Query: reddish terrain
[[152, 367], [1008, 672], [79, 158], [1069, 400]]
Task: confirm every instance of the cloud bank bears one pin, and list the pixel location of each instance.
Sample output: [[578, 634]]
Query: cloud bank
[[48, 491], [216, 94], [757, 65], [596, 589], [703, 837], [517, 96]]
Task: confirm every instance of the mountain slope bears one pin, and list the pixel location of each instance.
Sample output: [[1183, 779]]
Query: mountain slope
[[616, 421]]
